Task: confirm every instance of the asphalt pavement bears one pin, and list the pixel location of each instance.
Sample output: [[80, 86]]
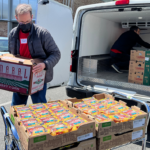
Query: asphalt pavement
[[57, 93]]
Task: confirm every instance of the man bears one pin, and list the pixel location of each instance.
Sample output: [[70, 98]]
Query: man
[[120, 51], [31, 41]]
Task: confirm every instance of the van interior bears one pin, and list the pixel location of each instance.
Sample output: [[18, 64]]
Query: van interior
[[99, 30]]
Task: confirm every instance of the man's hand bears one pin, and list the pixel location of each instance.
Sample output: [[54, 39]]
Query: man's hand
[[38, 68]]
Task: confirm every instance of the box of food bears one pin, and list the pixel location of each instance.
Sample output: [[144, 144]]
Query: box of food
[[139, 78], [136, 78], [139, 55], [136, 66], [16, 75], [114, 140], [110, 127], [107, 125], [51, 133], [139, 73]]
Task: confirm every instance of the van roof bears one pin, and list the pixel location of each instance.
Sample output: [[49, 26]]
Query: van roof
[[111, 4]]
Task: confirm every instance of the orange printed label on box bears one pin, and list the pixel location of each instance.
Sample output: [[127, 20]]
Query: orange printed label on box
[[37, 107], [99, 106], [29, 122], [120, 117], [42, 113], [48, 120], [75, 121], [109, 102], [102, 118], [36, 130], [58, 128], [23, 109], [80, 105], [53, 105], [65, 116], [58, 110], [25, 115]]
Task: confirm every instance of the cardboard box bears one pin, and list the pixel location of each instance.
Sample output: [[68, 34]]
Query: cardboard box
[[139, 55], [46, 141], [16, 75], [109, 128], [139, 73], [71, 101], [139, 78], [103, 96], [112, 141], [136, 77], [85, 145], [137, 67]]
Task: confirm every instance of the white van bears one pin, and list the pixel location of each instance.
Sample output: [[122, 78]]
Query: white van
[[96, 28]]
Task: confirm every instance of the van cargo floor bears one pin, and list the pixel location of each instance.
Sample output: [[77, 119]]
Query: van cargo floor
[[109, 74], [99, 67], [99, 72]]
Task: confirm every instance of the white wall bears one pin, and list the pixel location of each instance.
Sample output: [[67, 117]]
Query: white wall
[[145, 37], [98, 35]]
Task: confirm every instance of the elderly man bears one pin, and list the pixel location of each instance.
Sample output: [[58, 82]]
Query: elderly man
[[31, 41]]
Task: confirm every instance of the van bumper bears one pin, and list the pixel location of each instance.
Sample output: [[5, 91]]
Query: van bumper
[[78, 93]]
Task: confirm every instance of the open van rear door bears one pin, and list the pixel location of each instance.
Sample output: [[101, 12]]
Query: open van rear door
[[57, 19]]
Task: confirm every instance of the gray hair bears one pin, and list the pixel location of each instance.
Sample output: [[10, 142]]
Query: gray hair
[[22, 9]]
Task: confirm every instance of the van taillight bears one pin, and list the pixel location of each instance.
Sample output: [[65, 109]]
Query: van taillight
[[74, 61], [122, 2], [71, 62]]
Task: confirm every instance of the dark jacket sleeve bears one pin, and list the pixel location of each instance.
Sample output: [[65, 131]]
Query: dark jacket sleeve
[[51, 50], [143, 43], [9, 39]]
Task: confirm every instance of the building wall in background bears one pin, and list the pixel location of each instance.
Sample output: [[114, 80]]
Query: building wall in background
[[3, 28], [8, 21], [7, 14]]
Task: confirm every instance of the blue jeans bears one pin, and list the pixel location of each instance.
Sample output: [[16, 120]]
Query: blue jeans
[[39, 97], [121, 60]]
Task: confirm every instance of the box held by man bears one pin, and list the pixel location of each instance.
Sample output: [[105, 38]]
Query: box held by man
[[16, 75]]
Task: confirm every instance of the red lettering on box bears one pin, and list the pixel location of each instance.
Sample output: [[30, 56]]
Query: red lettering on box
[[1, 68], [13, 70], [7, 69], [25, 73], [19, 71]]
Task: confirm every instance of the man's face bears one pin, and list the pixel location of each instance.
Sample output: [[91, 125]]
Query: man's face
[[138, 31], [24, 18]]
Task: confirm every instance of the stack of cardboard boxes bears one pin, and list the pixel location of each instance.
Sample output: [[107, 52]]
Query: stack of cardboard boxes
[[139, 67], [92, 135]]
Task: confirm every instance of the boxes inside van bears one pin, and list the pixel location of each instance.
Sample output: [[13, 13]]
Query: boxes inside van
[[96, 29]]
